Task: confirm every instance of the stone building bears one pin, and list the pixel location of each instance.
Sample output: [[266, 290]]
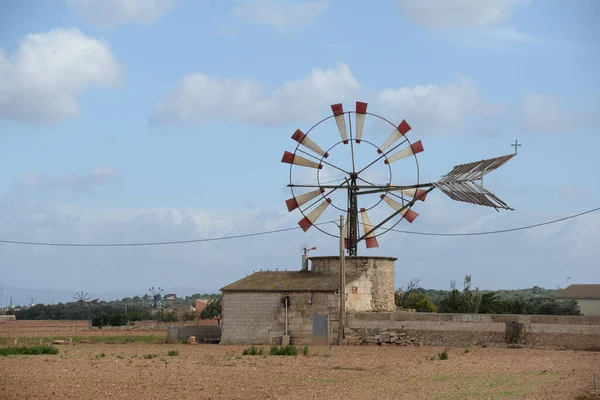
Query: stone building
[[254, 308], [587, 297]]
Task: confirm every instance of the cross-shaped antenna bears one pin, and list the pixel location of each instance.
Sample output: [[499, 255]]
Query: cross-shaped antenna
[[516, 145]]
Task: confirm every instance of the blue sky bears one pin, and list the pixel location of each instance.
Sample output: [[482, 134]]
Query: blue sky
[[145, 120]]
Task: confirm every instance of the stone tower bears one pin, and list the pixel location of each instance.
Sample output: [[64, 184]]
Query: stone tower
[[369, 280]]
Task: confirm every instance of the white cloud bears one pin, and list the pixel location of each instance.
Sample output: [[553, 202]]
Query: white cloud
[[280, 14], [537, 257], [458, 13], [110, 13], [100, 175], [199, 98], [436, 109], [542, 113], [42, 80]]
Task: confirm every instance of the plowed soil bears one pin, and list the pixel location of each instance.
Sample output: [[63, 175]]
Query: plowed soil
[[137, 371], [46, 328]]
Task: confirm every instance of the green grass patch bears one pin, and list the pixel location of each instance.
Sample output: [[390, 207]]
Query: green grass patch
[[443, 355], [173, 353], [289, 350], [253, 351], [149, 356], [28, 350]]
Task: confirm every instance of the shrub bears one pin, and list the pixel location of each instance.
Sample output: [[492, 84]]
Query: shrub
[[28, 350], [253, 351], [443, 355], [149, 356], [173, 353], [289, 350], [305, 351]]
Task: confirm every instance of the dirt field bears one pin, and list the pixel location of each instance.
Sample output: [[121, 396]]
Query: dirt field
[[28, 329], [137, 371]]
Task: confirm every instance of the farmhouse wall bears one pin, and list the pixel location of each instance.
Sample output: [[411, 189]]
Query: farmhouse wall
[[463, 330], [375, 289], [259, 317], [589, 307]]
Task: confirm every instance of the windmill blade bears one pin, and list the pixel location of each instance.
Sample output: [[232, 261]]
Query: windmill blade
[[419, 194], [307, 142], [340, 120], [361, 113], [370, 239], [400, 131], [308, 221], [414, 148], [296, 202], [291, 158], [407, 213]]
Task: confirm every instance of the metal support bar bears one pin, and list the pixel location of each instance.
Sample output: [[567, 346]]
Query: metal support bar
[[342, 282], [382, 187], [410, 203]]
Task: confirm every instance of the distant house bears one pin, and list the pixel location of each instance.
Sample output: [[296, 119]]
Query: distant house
[[201, 305], [587, 297]]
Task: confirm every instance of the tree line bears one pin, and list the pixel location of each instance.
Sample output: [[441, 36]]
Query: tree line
[[124, 311], [536, 300]]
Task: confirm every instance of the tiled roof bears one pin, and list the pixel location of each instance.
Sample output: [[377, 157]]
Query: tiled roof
[[580, 292], [287, 281]]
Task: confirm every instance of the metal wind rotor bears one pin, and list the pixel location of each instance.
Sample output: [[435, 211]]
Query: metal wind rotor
[[342, 158], [81, 296]]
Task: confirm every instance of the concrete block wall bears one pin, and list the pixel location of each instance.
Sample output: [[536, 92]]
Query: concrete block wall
[[259, 317], [246, 317]]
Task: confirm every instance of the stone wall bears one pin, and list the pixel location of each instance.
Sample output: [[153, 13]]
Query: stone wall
[[259, 317], [463, 330], [178, 334], [373, 291]]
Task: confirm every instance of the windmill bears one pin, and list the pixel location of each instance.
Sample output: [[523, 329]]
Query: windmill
[[155, 297], [353, 168], [81, 296]]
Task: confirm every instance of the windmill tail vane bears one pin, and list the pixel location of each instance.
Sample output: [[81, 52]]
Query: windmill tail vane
[[463, 183], [460, 184]]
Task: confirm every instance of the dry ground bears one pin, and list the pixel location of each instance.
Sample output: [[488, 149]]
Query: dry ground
[[46, 328], [220, 372]]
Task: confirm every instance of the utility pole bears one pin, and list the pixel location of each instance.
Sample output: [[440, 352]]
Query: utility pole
[[342, 281]]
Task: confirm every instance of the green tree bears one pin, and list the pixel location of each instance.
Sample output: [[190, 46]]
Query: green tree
[[212, 310]]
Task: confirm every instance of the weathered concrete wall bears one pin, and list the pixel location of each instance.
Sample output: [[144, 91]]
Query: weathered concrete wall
[[5, 318], [177, 334], [374, 291], [589, 307], [259, 317], [461, 330]]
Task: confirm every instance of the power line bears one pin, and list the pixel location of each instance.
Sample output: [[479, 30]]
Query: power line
[[500, 230], [155, 243], [285, 230]]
